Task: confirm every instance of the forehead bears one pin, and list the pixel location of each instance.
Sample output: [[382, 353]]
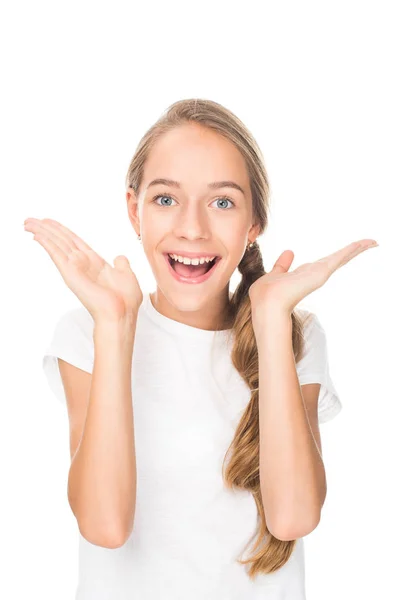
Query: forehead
[[195, 154]]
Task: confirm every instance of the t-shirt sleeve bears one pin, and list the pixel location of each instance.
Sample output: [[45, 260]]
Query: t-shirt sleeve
[[72, 340], [314, 368]]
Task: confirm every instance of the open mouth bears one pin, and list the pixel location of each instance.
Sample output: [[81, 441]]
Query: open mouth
[[193, 268], [192, 273]]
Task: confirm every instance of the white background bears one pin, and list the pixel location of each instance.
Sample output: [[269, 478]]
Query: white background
[[317, 84]]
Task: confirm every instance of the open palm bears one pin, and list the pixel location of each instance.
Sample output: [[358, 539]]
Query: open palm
[[109, 293], [285, 289]]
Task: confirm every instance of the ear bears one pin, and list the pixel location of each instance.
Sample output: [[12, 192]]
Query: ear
[[133, 209], [254, 232]]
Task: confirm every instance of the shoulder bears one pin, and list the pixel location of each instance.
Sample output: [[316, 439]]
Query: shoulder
[[73, 333], [314, 346], [310, 322], [71, 341], [76, 319]]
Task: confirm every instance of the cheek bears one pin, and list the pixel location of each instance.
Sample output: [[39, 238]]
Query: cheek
[[154, 227], [233, 235], [157, 220]]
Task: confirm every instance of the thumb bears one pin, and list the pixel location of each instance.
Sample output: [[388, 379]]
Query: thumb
[[122, 263], [284, 261]]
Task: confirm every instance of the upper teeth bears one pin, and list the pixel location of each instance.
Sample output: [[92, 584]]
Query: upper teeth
[[191, 261]]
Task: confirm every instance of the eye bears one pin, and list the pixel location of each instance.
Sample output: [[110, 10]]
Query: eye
[[225, 199], [222, 199], [162, 196]]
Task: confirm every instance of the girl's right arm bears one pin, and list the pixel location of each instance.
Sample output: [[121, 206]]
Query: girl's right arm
[[102, 476]]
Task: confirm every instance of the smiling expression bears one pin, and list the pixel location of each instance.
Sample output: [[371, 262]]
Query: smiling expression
[[194, 200]]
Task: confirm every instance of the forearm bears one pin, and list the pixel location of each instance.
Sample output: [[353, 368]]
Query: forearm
[[292, 474], [102, 477]]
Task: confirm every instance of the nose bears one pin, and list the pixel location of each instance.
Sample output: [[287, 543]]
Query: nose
[[192, 223]]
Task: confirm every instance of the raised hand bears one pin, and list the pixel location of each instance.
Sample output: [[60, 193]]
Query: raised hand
[[283, 290], [108, 293]]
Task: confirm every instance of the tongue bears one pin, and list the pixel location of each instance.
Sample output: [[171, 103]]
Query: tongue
[[190, 270]]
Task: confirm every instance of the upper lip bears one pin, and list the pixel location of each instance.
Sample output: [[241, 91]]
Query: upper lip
[[193, 254]]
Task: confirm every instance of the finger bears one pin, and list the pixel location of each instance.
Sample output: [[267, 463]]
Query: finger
[[344, 255], [46, 230], [283, 263], [59, 258], [76, 239], [122, 263], [70, 235], [55, 228]]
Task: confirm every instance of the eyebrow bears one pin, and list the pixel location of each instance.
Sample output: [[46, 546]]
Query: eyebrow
[[213, 186]]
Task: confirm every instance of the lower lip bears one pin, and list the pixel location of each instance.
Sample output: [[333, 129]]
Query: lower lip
[[199, 279]]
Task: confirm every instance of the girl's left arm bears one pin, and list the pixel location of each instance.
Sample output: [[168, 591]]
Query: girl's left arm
[[292, 473]]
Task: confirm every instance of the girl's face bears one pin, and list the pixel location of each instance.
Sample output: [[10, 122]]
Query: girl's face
[[193, 217]]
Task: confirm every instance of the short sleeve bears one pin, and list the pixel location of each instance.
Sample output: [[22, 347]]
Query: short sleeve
[[72, 341], [314, 368]]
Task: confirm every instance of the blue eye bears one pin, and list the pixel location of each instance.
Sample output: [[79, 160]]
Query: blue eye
[[161, 196], [223, 199]]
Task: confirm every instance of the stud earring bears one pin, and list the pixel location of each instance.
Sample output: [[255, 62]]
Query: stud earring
[[250, 245], [139, 238]]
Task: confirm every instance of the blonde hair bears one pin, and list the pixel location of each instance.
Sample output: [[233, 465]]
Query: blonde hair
[[242, 470]]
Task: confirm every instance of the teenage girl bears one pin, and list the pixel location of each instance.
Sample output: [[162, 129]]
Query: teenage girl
[[194, 413]]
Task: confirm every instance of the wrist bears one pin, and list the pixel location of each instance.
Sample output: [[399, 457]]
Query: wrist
[[118, 329], [269, 315]]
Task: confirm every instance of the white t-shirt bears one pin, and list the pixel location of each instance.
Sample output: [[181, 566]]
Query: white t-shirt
[[189, 529]]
